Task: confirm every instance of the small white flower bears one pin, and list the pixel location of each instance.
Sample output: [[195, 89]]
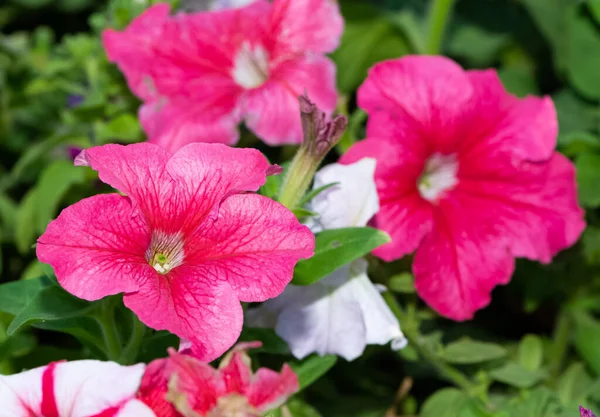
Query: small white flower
[[343, 312]]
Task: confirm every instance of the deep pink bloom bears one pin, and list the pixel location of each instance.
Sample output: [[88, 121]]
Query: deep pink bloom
[[185, 245], [466, 175], [74, 389], [585, 413], [200, 74], [182, 385]]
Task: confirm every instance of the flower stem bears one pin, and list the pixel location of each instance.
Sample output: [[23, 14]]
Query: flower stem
[[411, 331], [298, 178], [437, 21], [561, 337], [110, 333], [131, 350]]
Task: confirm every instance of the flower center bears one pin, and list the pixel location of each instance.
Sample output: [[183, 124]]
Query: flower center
[[438, 176], [165, 251], [234, 405], [251, 66]]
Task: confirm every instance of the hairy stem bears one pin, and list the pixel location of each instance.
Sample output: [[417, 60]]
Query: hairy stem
[[131, 350], [437, 21], [561, 337], [110, 333]]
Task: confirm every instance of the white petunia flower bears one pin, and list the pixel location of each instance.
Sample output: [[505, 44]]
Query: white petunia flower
[[343, 312]]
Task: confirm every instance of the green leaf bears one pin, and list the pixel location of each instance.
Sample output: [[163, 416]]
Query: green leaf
[[573, 384], [300, 212], [313, 193], [447, 402], [518, 81], [591, 245], [14, 296], [299, 408], [54, 182], [534, 403], [312, 368], [468, 351], [403, 282], [515, 375], [594, 6], [52, 303], [587, 339], [124, 128], [574, 114], [575, 143], [479, 47], [582, 66], [531, 352], [336, 248], [17, 345], [588, 178], [26, 221]]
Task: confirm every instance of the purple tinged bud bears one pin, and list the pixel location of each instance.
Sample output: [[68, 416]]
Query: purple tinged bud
[[585, 413]]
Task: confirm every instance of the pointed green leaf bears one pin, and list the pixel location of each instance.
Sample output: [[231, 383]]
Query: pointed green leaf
[[312, 368]]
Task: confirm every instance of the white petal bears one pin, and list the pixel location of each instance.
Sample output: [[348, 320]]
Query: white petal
[[135, 408], [353, 201], [20, 393], [86, 388], [230, 4], [382, 325]]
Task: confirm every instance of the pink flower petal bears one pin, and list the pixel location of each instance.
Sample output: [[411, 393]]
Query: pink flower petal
[[270, 389], [153, 388], [254, 244], [279, 123], [97, 247], [527, 127], [460, 261], [310, 25], [236, 374], [403, 214], [535, 208], [432, 90], [192, 303], [133, 51], [21, 394]]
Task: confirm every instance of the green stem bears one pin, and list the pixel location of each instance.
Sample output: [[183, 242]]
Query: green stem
[[437, 21], [561, 337], [138, 331], [110, 333], [411, 332], [298, 179]]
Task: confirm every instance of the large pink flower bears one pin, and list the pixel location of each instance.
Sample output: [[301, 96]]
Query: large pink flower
[[185, 245], [74, 389], [183, 386], [200, 74], [466, 175]]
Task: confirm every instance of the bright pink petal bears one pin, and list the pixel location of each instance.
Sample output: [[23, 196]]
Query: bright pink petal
[[193, 303], [132, 49], [310, 25], [460, 261], [432, 90], [271, 389], [272, 110], [154, 388], [97, 247], [527, 127], [174, 123], [254, 245], [237, 374], [534, 206], [403, 214]]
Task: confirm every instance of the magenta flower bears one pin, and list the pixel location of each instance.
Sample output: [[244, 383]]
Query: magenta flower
[[74, 389], [185, 245], [585, 413], [466, 175], [200, 74]]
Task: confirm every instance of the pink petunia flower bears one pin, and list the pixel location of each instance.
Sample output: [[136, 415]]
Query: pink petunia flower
[[466, 175], [186, 244], [583, 412], [200, 74], [183, 386], [74, 389]]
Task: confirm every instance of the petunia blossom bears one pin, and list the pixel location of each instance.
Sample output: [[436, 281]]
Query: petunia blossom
[[583, 412], [84, 388], [343, 312], [200, 74], [182, 386], [185, 245], [467, 177]]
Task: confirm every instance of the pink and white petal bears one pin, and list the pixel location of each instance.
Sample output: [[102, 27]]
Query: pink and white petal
[[350, 203], [194, 303], [196, 383], [133, 48], [498, 121], [137, 170], [253, 244], [459, 262], [271, 389], [154, 387], [174, 123], [309, 25], [96, 247], [135, 408], [89, 388], [272, 111], [21, 394], [433, 90], [534, 206], [236, 374]]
